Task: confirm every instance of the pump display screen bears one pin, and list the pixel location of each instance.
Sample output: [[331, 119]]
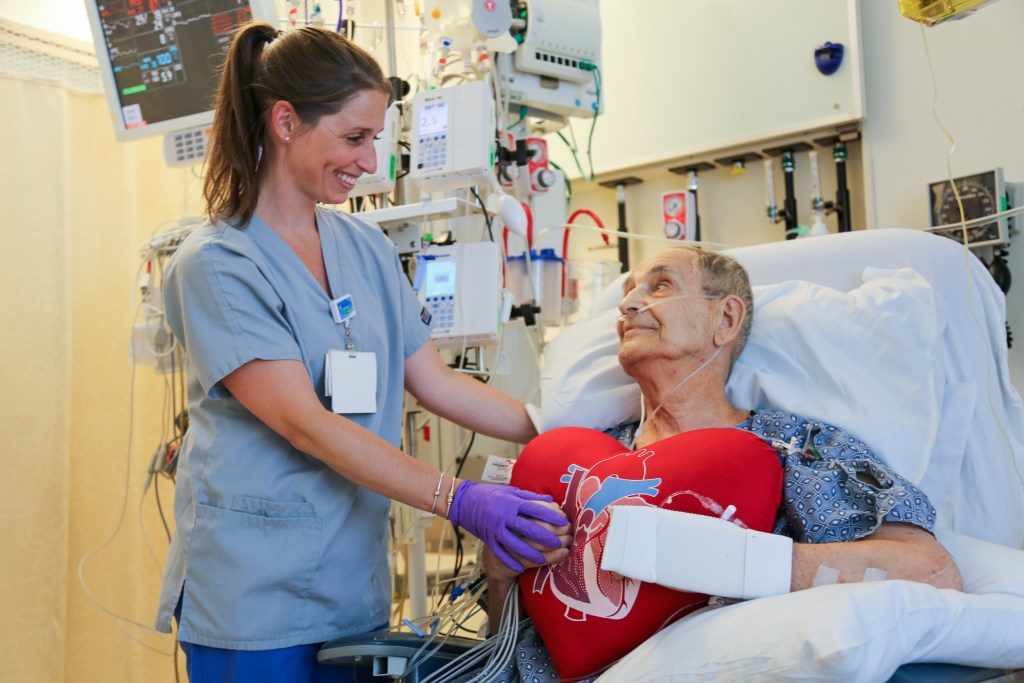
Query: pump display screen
[[440, 279], [165, 55], [434, 119]]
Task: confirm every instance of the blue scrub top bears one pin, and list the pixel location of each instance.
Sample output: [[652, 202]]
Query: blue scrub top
[[273, 548]]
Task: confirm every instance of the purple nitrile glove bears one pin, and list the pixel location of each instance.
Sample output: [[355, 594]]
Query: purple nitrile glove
[[502, 517]]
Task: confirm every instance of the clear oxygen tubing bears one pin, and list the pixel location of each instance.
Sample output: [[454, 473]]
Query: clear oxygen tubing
[[634, 311], [631, 311], [684, 380]]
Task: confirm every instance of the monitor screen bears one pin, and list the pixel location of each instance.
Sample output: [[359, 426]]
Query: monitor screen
[[162, 59], [434, 119], [440, 278]]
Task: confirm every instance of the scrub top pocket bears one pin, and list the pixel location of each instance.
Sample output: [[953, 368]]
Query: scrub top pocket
[[259, 561]]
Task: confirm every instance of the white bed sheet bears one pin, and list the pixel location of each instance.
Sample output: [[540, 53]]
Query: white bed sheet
[[849, 632]]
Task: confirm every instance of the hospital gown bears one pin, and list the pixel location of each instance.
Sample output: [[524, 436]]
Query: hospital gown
[[835, 489]]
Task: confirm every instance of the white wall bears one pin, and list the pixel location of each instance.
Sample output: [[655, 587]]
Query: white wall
[[979, 69], [713, 67]]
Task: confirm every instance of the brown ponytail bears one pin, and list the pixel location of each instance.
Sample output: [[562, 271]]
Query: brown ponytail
[[314, 69]]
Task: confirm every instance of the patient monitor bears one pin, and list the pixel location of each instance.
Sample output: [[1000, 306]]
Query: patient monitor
[[460, 287]]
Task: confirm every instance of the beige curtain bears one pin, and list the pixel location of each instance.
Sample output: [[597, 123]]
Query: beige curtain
[[76, 206]]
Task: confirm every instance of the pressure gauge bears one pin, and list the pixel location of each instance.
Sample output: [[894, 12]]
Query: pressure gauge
[[981, 195]]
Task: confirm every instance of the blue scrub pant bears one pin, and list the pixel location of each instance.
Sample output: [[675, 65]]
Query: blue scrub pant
[[284, 665], [296, 664]]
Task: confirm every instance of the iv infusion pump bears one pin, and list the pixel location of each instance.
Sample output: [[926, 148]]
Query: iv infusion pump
[[460, 287], [452, 137]]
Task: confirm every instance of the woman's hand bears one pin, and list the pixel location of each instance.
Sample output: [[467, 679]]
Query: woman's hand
[[497, 571], [510, 521]]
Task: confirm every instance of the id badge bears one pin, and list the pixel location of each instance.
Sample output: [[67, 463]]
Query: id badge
[[351, 381]]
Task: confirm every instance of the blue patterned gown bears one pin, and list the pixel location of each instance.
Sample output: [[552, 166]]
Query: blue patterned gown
[[835, 489]]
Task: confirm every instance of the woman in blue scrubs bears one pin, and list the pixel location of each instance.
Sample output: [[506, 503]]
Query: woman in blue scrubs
[[282, 505]]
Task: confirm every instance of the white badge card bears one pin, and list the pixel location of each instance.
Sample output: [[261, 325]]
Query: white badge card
[[351, 381]]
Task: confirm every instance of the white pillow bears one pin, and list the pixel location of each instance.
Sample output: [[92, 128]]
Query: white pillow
[[849, 632], [864, 360]]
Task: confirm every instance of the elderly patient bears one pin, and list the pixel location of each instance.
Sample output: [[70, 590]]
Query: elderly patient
[[686, 315]]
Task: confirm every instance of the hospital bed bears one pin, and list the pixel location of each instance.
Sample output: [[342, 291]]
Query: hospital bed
[[899, 336]]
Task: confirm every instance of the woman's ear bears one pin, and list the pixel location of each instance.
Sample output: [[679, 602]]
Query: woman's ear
[[733, 311], [284, 122]]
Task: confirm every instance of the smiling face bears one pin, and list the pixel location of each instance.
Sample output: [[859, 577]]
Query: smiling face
[[680, 321], [324, 160]]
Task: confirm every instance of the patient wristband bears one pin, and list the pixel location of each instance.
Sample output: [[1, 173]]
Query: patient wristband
[[696, 553]]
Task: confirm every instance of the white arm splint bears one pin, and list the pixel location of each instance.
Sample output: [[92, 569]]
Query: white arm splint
[[696, 553]]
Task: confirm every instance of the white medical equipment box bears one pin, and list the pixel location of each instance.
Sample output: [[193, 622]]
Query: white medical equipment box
[[460, 286], [452, 137]]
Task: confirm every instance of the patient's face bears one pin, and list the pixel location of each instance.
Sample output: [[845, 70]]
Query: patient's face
[[679, 322]]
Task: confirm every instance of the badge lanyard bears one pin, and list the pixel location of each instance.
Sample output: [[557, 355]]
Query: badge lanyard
[[353, 374]]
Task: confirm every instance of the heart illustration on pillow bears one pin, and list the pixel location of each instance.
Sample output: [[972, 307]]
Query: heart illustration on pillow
[[589, 618]]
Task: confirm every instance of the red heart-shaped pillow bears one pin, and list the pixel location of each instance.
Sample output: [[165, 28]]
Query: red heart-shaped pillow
[[589, 618]]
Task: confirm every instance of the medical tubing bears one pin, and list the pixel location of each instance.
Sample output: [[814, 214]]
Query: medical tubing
[[529, 224], [633, 236], [964, 224], [120, 522], [684, 380], [468, 659], [506, 639], [565, 240], [572, 150], [636, 311], [597, 110], [423, 653]]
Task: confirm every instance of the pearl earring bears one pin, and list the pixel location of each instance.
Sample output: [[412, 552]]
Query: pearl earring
[[287, 138]]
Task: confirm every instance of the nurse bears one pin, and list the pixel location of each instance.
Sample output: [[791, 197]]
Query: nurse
[[282, 505]]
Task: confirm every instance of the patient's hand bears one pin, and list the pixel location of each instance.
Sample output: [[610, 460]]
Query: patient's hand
[[500, 578]]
